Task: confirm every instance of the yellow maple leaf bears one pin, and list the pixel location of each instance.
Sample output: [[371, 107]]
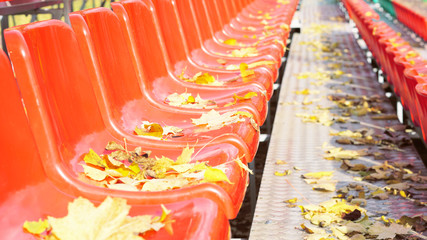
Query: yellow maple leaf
[[93, 158], [306, 91], [215, 120], [185, 156], [186, 100], [164, 184], [284, 26], [94, 173], [162, 165], [338, 153], [285, 173], [238, 98], [215, 175], [231, 42], [109, 220], [149, 129], [221, 61], [203, 79], [36, 227], [200, 78], [245, 52], [261, 63], [244, 72], [293, 200], [318, 175]]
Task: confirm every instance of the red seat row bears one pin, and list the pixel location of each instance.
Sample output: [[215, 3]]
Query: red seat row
[[77, 88], [412, 18], [404, 67]]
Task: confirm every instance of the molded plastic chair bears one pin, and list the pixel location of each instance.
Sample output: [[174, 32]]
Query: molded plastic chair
[[279, 13], [220, 17], [28, 193], [124, 107], [156, 88], [412, 77], [66, 121], [194, 18], [197, 59], [206, 10], [141, 29], [421, 91]]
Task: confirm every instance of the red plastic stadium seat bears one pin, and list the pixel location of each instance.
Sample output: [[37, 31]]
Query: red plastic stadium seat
[[192, 56], [141, 27], [29, 194], [66, 121]]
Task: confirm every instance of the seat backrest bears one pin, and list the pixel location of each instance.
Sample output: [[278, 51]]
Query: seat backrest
[[143, 34], [171, 29], [224, 9], [213, 13], [55, 85], [200, 15], [106, 54], [191, 26], [20, 157]]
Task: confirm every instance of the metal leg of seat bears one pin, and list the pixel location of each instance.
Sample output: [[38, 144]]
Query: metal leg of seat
[[252, 186], [67, 10], [4, 25]]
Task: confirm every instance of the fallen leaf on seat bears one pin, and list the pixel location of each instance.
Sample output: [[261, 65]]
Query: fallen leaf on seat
[[94, 173], [231, 42], [215, 175], [186, 100], [284, 26], [260, 63], [135, 171], [245, 52], [221, 61], [108, 221], [244, 72], [36, 227], [200, 78], [149, 129], [93, 158], [215, 120], [249, 28], [238, 98], [283, 2]]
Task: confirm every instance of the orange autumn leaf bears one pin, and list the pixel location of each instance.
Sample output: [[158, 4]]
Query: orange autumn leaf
[[36, 227], [237, 98], [245, 52], [215, 175], [85, 221], [127, 170], [244, 70], [200, 78], [231, 42], [149, 129], [221, 61]]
